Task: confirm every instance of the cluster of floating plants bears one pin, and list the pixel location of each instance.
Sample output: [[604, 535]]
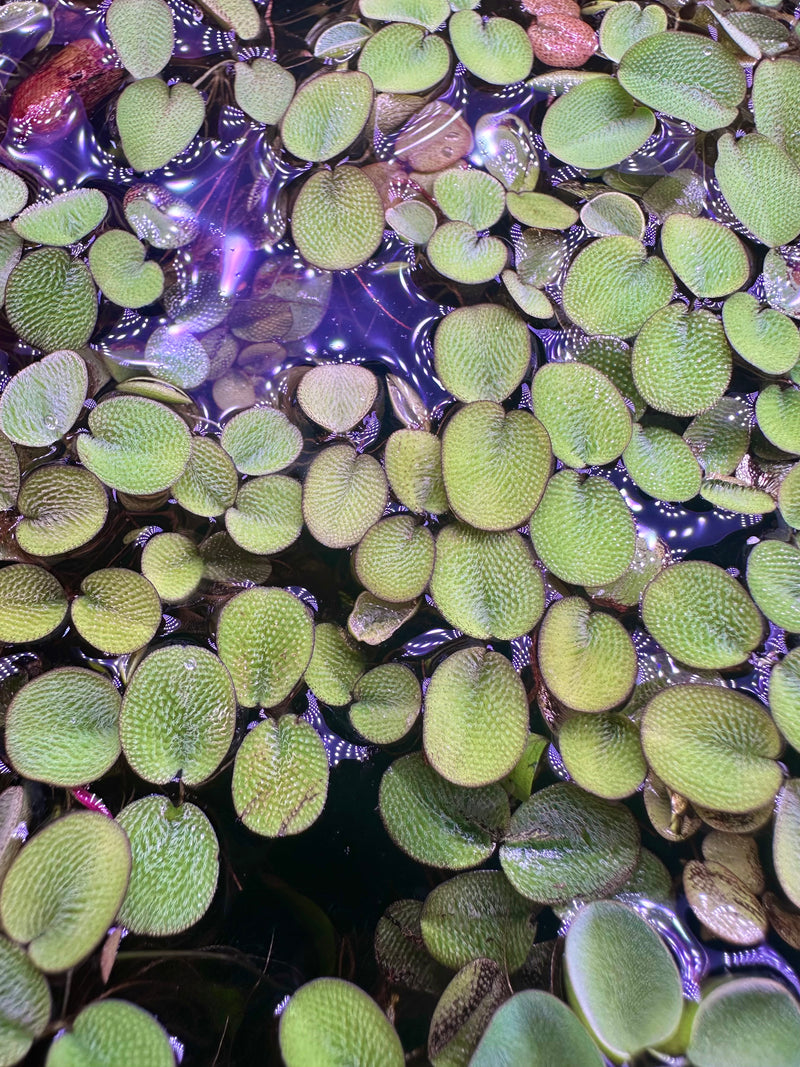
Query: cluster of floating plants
[[414, 381]]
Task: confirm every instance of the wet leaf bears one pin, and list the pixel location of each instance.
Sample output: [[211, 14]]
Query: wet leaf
[[762, 186], [773, 574], [401, 953], [784, 696], [173, 564], [261, 441], [776, 86], [135, 445], [208, 484], [470, 195], [117, 610], [614, 214], [662, 464], [626, 23], [537, 1029], [263, 89], [267, 516], [538, 209], [333, 1022], [64, 220], [786, 839], [685, 75], [265, 638], [428, 13], [615, 959], [13, 194], [413, 462], [335, 665], [225, 562], [63, 727], [723, 903], [280, 777], [681, 191], [564, 843], [459, 252], [344, 493], [530, 300], [242, 16], [436, 822], [778, 415], [596, 125], [582, 530], [178, 715], [157, 122], [739, 854], [61, 508], [373, 621], [341, 41], [50, 300], [175, 865], [737, 496], [763, 337], [33, 603], [496, 50], [394, 559], [337, 396], [64, 889], [117, 262], [43, 400], [746, 1022], [707, 257], [463, 1012], [720, 436], [486, 584], [475, 726], [481, 352], [613, 286], [386, 703], [586, 657], [413, 220], [25, 1004], [338, 217], [495, 465], [158, 217], [588, 421], [143, 34], [403, 58], [507, 150], [107, 1030], [715, 746], [326, 115]]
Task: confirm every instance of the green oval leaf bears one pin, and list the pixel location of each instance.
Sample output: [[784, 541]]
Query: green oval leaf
[[481, 352], [261, 441], [707, 257], [51, 300], [469, 195], [747, 1022], [107, 1031], [172, 562], [537, 1029], [662, 464], [208, 484], [386, 703], [117, 263], [64, 220], [326, 115], [338, 218], [457, 251], [762, 186], [413, 462], [344, 493], [143, 34], [496, 50], [763, 337], [268, 515], [43, 400], [603, 754], [117, 610], [337, 396], [61, 508], [24, 1004], [402, 58], [157, 122], [263, 89], [33, 603]]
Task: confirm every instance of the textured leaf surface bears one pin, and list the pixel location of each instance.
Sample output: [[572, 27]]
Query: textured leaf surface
[[337, 396], [157, 122], [178, 715], [778, 416], [613, 287], [428, 13], [386, 703], [261, 441], [394, 559], [338, 217], [764, 337], [335, 665], [64, 220], [439, 823], [723, 903], [402, 58], [707, 257], [267, 516], [208, 484], [13, 194], [401, 953], [61, 508], [614, 214], [537, 1029], [263, 89], [496, 50], [117, 610], [626, 23], [762, 185], [64, 889], [586, 657], [265, 638], [776, 92], [579, 513], [564, 843], [748, 1022], [603, 754], [326, 115], [486, 584], [596, 124], [143, 34], [475, 725], [24, 1003], [686, 75], [458, 251], [469, 195], [344, 493], [720, 436], [662, 464], [280, 777], [32, 603], [773, 577], [333, 1022], [681, 360], [109, 1032], [174, 869], [50, 300], [481, 352], [172, 562], [784, 697], [413, 461], [43, 400], [463, 1012], [373, 620], [614, 959], [713, 745], [117, 263], [495, 465]]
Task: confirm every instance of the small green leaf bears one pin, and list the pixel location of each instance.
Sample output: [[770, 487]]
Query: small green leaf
[[394, 559], [528, 298], [143, 34], [507, 150], [475, 726], [268, 515], [224, 562], [773, 577], [208, 485], [776, 91], [13, 194], [157, 122], [537, 1029], [61, 508], [720, 436], [713, 745], [117, 610], [539, 209], [63, 727], [341, 41], [661, 463], [173, 564], [614, 214], [778, 416], [401, 953], [261, 441], [25, 1004], [685, 75], [326, 115], [386, 703], [117, 263], [763, 337], [626, 23], [615, 959], [178, 715], [723, 903], [338, 218], [784, 696], [496, 50], [43, 401], [707, 257], [265, 638], [747, 1022], [157, 216], [373, 621], [335, 665], [428, 13], [337, 396], [564, 843], [481, 352], [603, 754], [495, 465], [263, 89], [333, 1022], [32, 603], [737, 496], [469, 195], [586, 657], [174, 869], [51, 300], [436, 822], [457, 251], [64, 889], [413, 462], [403, 58], [344, 493], [762, 186], [64, 220], [107, 1032]]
